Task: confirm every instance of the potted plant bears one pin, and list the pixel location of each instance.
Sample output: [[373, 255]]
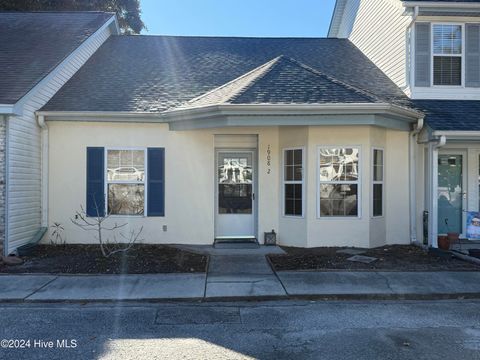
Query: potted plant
[[451, 238], [443, 242]]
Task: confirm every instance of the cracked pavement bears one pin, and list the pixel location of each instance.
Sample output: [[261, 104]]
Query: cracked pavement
[[248, 330]]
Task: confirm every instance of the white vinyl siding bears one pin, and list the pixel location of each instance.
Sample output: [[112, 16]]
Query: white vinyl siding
[[24, 184], [379, 32], [348, 11]]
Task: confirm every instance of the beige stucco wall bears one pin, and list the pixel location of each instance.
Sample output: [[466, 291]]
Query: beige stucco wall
[[397, 182], [190, 182]]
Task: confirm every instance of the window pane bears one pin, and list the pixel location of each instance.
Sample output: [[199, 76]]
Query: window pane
[[297, 173], [126, 165], [293, 199], [288, 157], [289, 207], [235, 170], [235, 198], [447, 39], [289, 173], [339, 164], [447, 70], [377, 199], [297, 157], [377, 165], [338, 200], [126, 199]]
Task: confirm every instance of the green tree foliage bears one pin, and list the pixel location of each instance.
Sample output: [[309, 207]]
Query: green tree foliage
[[128, 11]]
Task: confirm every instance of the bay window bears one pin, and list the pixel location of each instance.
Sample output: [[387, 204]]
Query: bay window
[[338, 186]]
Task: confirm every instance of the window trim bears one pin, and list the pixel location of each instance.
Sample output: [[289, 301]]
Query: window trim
[[284, 182], [358, 182], [462, 56], [145, 190], [376, 148]]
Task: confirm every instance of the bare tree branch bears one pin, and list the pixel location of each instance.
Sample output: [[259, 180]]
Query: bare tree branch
[[109, 244]]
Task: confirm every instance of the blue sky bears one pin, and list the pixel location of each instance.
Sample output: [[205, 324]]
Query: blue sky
[[302, 18]]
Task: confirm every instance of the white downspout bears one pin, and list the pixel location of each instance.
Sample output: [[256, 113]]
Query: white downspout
[[44, 162], [413, 180], [433, 181], [409, 51]]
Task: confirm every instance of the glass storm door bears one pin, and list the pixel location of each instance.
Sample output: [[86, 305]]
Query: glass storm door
[[235, 195], [450, 193]]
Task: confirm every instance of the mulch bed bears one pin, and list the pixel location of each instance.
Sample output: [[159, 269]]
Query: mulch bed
[[390, 258], [88, 259]]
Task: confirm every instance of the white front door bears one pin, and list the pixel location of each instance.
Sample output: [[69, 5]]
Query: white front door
[[235, 195]]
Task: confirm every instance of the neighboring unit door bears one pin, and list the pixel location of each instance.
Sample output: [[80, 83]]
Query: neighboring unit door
[[235, 195], [451, 192]]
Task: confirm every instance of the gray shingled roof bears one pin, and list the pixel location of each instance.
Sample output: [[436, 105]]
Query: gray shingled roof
[[34, 43], [156, 73], [451, 114], [282, 81]]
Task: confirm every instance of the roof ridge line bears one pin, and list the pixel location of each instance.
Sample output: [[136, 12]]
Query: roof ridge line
[[335, 80], [265, 67], [271, 64]]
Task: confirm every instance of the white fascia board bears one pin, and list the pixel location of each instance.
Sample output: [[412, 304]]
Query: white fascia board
[[7, 109], [291, 109], [459, 135], [231, 110], [336, 19], [441, 4], [107, 116]]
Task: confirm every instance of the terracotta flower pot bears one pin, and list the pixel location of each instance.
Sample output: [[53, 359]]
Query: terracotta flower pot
[[453, 237], [443, 242]]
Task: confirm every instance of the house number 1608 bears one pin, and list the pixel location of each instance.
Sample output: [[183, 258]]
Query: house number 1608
[[269, 158]]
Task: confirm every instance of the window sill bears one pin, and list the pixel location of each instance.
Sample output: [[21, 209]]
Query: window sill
[[339, 218], [128, 216], [293, 216]]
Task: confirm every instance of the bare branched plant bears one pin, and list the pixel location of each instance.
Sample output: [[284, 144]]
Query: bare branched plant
[[107, 235]]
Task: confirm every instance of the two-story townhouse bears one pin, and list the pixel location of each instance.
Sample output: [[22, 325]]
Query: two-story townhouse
[[39, 53], [431, 50]]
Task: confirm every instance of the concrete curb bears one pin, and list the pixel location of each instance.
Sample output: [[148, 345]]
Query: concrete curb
[[311, 297]]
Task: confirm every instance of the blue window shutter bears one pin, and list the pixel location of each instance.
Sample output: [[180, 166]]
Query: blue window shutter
[[423, 56], [472, 58], [95, 181], [156, 182]]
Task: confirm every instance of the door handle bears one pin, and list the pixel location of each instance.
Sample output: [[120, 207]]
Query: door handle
[[253, 196]]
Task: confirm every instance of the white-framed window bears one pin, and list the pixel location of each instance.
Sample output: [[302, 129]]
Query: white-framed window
[[447, 54], [125, 181], [378, 187], [339, 181], [293, 182]]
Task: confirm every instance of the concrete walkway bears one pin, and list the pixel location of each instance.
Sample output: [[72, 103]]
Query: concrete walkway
[[243, 276], [240, 278]]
